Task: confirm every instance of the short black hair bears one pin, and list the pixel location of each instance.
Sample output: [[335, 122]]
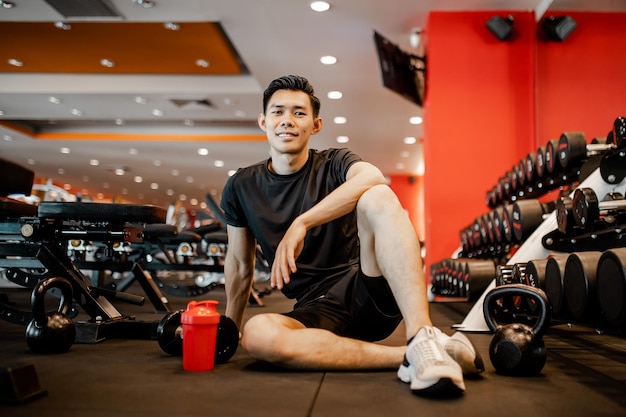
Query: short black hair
[[292, 82]]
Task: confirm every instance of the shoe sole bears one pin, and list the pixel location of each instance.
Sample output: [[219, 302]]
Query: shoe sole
[[475, 366], [442, 386]]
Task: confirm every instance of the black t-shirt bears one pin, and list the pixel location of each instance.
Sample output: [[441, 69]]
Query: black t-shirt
[[267, 203]]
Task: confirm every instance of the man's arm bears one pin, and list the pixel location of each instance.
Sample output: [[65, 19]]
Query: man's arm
[[361, 176], [238, 271]]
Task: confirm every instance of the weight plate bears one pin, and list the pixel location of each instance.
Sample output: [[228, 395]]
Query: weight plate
[[227, 340], [168, 333]]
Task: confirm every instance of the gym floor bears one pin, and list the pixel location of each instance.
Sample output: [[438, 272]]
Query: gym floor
[[585, 375]]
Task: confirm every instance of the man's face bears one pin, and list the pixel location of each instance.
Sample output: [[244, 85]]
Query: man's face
[[288, 121]]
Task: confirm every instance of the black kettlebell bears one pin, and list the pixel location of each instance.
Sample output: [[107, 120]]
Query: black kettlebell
[[51, 332], [517, 349]]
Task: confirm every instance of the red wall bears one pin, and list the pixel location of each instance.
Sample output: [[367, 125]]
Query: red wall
[[581, 82], [490, 102], [478, 118]]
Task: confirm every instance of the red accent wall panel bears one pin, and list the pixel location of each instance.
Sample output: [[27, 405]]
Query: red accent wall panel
[[581, 81], [478, 117]]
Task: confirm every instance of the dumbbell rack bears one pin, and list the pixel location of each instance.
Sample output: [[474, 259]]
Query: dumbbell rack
[[533, 248]]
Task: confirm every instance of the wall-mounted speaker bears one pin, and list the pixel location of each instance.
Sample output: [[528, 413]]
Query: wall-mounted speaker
[[501, 27], [558, 28]]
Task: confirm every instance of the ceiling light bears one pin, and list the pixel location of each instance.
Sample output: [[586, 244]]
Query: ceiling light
[[94, 162], [340, 120], [15, 62], [7, 4], [76, 112], [410, 140], [335, 95], [182, 197], [415, 37], [8, 138], [405, 154], [30, 161], [171, 26], [67, 187], [138, 179], [320, 6], [54, 100], [189, 180], [202, 63], [157, 112], [119, 122], [175, 172], [154, 186], [65, 150], [107, 63], [416, 120], [156, 162], [169, 192], [203, 151], [193, 201], [218, 163], [343, 139], [119, 171], [146, 4], [99, 196], [240, 113], [399, 165], [328, 60], [188, 122], [1, 112], [62, 25], [133, 151], [60, 171], [140, 100]]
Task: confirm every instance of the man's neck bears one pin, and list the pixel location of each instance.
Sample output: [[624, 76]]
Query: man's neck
[[285, 164]]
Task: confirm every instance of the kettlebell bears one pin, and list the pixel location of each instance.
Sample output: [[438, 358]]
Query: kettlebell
[[517, 349], [51, 332]]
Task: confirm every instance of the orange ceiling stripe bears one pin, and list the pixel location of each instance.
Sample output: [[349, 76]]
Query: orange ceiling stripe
[[135, 48]]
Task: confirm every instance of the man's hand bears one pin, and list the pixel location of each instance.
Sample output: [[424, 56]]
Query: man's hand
[[287, 252]]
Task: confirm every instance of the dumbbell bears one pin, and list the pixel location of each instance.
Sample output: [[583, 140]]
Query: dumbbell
[[552, 165], [587, 209], [506, 223], [617, 135], [530, 168], [579, 282], [477, 275], [527, 215], [573, 149], [565, 214], [554, 272], [611, 286], [540, 163], [169, 336]]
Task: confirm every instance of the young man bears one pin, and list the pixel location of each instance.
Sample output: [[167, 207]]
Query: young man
[[340, 243]]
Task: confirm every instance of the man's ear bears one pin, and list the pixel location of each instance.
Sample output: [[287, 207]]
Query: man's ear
[[261, 121], [317, 125]]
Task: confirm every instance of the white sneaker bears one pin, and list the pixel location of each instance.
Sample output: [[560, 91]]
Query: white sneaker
[[462, 350], [428, 368]]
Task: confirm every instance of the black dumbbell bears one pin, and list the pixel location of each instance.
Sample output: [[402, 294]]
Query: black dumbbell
[[477, 275], [551, 156], [573, 149], [540, 163], [554, 272], [565, 214], [618, 133], [579, 283], [611, 286], [587, 208], [169, 336], [530, 170], [527, 215]]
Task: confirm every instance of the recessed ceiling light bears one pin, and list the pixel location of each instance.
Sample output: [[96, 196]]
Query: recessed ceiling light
[[416, 120], [156, 162], [188, 122], [218, 163], [1, 112], [140, 100], [138, 179], [146, 4], [405, 154], [76, 112], [203, 151], [193, 201], [7, 4], [154, 186], [399, 165], [169, 192], [119, 122], [54, 100], [8, 138], [335, 95], [133, 151], [30, 161], [343, 139], [203, 63], [15, 62], [94, 162], [182, 197], [409, 140], [171, 26], [320, 6], [107, 63], [62, 25], [157, 112], [328, 60], [65, 150], [340, 120], [119, 171], [189, 180], [60, 171], [175, 172]]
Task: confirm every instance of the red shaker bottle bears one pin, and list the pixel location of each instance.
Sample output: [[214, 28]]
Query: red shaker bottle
[[200, 323]]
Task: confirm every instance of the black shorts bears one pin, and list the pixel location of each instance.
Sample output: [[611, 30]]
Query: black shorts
[[356, 306]]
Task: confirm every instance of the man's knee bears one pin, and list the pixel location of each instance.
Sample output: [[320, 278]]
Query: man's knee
[[378, 200], [262, 337]]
